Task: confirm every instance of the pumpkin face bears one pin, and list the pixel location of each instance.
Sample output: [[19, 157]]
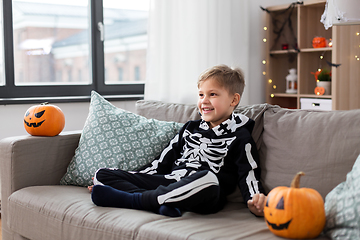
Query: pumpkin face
[[319, 91], [319, 42], [44, 120], [294, 212]]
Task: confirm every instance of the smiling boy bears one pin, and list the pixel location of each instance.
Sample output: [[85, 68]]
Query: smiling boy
[[202, 164]]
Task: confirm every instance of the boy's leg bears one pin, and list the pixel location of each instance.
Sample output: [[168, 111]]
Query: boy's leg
[[118, 188], [199, 192], [129, 182]]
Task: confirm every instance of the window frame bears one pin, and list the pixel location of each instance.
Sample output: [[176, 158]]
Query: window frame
[[10, 93]]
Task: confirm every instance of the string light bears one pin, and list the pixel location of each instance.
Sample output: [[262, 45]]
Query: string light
[[274, 86], [356, 56], [265, 28], [264, 40], [264, 73], [321, 57], [264, 62], [272, 95], [270, 80]]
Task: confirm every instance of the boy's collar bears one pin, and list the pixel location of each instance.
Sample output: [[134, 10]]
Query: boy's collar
[[228, 126]]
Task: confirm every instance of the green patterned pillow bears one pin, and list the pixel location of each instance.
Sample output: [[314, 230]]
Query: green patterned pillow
[[115, 138], [342, 207]]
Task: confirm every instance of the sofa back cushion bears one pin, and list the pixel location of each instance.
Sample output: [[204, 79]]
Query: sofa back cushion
[[322, 144], [167, 111], [184, 112]]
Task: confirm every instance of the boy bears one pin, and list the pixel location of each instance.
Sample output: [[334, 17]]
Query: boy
[[201, 165]]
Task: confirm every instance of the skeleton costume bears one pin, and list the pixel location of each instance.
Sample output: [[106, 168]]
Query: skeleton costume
[[197, 170]]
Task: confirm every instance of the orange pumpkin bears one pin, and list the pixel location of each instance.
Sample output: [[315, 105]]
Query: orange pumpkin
[[44, 120], [319, 91], [295, 212], [319, 42]]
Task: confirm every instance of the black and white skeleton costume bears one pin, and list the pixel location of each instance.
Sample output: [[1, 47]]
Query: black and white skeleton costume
[[197, 170]]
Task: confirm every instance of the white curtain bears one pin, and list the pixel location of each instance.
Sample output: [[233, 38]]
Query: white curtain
[[188, 36]]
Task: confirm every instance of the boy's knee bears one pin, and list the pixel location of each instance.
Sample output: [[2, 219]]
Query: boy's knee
[[209, 177], [101, 172]]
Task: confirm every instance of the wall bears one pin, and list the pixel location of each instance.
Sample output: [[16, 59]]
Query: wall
[[255, 79], [76, 113], [11, 122]]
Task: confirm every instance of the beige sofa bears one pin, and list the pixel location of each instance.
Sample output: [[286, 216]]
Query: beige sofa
[[34, 206]]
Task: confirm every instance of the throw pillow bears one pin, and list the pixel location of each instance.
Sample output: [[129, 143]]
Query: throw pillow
[[342, 207], [115, 138]]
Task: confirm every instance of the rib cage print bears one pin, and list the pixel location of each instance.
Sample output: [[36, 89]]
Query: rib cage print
[[199, 149]]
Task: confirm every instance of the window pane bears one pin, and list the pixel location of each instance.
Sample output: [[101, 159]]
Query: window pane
[[51, 42], [125, 34], [2, 66]]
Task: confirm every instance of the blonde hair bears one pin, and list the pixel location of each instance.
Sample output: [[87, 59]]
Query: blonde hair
[[232, 79]]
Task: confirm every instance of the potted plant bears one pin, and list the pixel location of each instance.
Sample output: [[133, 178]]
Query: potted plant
[[323, 79]]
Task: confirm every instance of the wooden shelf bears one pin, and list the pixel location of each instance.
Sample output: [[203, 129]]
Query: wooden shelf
[[285, 95], [316, 49], [283, 51], [306, 25]]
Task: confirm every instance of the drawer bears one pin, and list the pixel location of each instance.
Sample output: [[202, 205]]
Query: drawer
[[316, 104]]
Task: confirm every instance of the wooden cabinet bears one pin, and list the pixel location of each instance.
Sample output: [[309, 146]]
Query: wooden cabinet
[[298, 28]]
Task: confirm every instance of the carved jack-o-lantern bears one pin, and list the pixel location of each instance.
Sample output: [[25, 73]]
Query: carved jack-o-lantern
[[319, 42], [319, 91], [44, 120], [295, 212]]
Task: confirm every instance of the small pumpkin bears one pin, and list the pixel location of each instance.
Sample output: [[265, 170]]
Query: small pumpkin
[[319, 42], [319, 91], [44, 120], [294, 212]]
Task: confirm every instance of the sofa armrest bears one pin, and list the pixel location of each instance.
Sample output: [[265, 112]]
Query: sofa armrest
[[30, 161]]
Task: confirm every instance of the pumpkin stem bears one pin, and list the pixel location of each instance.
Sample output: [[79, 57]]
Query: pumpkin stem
[[44, 103], [296, 180]]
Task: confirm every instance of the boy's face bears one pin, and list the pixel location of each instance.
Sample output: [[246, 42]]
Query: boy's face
[[215, 102]]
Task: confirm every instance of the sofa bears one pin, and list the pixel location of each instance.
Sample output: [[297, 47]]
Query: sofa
[[35, 205]]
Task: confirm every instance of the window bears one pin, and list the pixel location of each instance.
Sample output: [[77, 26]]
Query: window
[[60, 49], [137, 73], [2, 67], [120, 74]]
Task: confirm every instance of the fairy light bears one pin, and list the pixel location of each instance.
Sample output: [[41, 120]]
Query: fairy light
[[321, 57], [264, 73], [356, 56], [274, 86], [264, 62], [272, 95], [270, 80], [265, 28]]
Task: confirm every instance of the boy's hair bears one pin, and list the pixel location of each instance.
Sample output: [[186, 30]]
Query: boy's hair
[[232, 79]]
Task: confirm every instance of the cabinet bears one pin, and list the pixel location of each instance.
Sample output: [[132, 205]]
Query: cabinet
[[299, 29]]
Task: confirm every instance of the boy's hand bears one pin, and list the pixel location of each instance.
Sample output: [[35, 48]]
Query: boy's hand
[[256, 204]]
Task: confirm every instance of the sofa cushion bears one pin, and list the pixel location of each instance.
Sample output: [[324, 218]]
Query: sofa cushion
[[322, 144], [115, 138], [167, 111], [342, 207], [67, 212], [185, 112]]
